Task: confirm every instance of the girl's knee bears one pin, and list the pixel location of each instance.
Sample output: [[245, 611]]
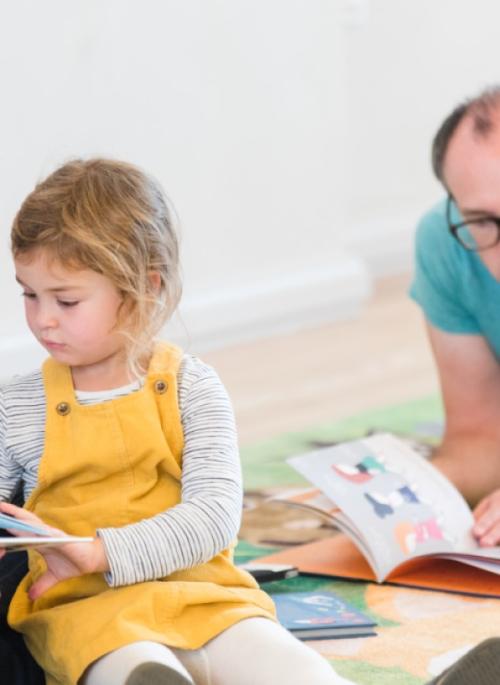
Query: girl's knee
[[301, 664], [291, 660]]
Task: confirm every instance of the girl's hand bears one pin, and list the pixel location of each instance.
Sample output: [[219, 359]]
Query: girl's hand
[[487, 520], [63, 561]]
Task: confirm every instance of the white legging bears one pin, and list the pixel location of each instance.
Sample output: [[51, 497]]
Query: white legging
[[253, 651]]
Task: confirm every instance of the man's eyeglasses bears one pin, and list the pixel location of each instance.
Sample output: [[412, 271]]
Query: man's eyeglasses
[[475, 234]]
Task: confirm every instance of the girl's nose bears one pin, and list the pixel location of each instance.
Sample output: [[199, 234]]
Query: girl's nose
[[46, 318]]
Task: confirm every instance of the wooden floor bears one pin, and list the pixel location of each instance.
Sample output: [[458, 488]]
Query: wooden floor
[[290, 382]]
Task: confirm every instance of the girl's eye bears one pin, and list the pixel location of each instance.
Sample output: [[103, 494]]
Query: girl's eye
[[67, 303], [30, 296]]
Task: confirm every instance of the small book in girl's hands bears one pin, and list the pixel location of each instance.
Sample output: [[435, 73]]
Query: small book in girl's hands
[[34, 536]]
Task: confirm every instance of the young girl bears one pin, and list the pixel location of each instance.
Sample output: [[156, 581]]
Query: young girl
[[133, 443]]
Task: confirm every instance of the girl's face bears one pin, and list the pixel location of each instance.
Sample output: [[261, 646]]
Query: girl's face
[[73, 314]]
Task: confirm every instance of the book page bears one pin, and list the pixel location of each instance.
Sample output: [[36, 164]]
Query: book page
[[399, 504], [311, 499], [21, 544]]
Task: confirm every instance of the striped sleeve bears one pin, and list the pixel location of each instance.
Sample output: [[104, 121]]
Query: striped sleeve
[[10, 470], [208, 517]]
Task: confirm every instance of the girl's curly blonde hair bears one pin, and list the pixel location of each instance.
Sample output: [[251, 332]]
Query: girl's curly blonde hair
[[112, 218]]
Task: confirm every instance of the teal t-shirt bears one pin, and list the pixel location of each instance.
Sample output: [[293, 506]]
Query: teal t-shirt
[[452, 285]]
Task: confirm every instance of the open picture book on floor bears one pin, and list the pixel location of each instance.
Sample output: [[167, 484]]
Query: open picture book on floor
[[395, 506]]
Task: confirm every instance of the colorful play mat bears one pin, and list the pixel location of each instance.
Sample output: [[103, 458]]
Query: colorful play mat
[[419, 632]]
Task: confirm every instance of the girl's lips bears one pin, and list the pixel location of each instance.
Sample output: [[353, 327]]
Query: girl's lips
[[53, 345]]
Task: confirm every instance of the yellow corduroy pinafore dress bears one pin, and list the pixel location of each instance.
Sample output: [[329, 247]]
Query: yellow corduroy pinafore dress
[[106, 465]]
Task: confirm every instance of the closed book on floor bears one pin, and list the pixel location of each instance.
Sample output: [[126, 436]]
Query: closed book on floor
[[321, 615]]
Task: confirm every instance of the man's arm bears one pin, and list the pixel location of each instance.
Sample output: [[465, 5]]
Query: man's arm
[[470, 383]]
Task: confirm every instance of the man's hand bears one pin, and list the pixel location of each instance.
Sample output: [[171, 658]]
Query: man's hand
[[63, 561], [487, 520]]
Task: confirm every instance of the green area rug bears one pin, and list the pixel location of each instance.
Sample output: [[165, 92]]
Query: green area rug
[[264, 463], [417, 630]]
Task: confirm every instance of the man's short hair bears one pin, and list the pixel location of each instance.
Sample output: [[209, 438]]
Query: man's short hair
[[480, 108]]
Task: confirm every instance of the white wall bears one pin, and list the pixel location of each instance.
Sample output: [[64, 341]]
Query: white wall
[[234, 106], [291, 135], [406, 67]]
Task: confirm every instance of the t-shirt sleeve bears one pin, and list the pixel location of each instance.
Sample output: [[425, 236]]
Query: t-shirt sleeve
[[438, 278]]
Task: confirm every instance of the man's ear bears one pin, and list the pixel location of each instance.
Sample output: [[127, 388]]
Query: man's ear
[[155, 281]]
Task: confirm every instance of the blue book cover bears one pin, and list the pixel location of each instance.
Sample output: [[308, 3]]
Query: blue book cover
[[321, 615]]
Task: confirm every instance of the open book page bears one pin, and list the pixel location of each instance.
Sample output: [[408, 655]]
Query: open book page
[[20, 544], [313, 499], [395, 505], [310, 499]]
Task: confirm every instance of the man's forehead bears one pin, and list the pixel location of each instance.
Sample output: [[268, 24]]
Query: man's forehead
[[479, 128], [471, 168], [472, 148]]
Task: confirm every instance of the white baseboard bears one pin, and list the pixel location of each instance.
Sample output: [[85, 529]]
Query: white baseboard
[[276, 306]]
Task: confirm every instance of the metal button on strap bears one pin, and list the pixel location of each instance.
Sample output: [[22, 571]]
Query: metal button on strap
[[63, 408], [161, 387]]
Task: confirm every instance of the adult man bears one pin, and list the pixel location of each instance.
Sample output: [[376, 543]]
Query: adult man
[[457, 284]]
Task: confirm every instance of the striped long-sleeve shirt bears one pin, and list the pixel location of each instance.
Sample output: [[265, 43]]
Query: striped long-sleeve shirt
[[192, 532]]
